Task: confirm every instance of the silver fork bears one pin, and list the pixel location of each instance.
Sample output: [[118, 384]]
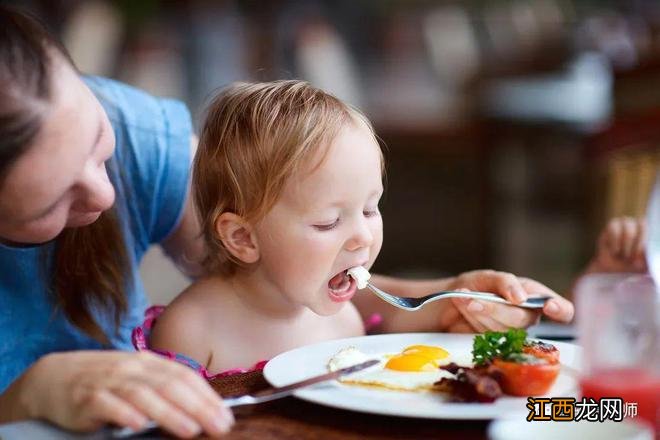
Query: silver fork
[[412, 304]]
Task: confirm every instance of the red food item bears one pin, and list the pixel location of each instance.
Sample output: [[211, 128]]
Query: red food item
[[527, 379], [543, 351]]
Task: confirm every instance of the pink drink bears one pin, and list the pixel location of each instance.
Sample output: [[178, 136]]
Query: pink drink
[[630, 384]]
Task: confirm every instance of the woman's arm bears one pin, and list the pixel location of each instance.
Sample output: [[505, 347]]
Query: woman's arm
[[185, 246], [13, 403], [397, 320], [462, 315], [84, 390]]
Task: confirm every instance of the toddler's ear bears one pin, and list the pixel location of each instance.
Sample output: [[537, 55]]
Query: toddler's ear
[[237, 236]]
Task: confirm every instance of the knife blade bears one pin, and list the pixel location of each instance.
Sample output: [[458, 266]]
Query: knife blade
[[262, 396]]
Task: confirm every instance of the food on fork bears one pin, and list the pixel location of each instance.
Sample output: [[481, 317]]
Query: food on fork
[[360, 275]]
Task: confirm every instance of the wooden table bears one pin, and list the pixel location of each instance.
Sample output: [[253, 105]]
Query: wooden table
[[292, 418]]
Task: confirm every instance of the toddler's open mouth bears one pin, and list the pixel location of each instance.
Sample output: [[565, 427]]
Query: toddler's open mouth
[[341, 287]]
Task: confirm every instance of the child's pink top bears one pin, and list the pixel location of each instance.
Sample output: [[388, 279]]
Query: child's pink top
[[140, 338]]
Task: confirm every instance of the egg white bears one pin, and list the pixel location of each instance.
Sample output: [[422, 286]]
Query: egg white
[[380, 377]]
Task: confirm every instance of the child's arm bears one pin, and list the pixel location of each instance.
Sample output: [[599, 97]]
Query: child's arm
[[620, 247]]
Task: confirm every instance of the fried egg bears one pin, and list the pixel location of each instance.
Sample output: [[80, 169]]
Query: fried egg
[[415, 368]]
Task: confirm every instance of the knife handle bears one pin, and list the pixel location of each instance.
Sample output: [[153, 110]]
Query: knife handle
[[151, 425], [241, 400], [268, 395]]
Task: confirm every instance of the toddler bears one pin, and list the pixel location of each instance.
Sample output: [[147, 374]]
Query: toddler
[[286, 184]]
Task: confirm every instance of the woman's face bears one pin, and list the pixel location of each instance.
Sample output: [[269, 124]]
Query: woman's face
[[60, 181]]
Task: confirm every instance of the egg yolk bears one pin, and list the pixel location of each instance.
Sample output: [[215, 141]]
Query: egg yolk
[[410, 362], [417, 358], [433, 353]]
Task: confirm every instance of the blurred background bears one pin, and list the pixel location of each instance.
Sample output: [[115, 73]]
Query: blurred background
[[513, 129]]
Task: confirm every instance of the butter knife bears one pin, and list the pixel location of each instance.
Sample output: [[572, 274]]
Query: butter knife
[[261, 396]]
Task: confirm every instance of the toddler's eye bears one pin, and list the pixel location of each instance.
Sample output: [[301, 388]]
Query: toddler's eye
[[327, 227], [371, 213]]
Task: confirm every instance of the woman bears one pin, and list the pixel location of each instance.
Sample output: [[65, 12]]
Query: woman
[[92, 172]]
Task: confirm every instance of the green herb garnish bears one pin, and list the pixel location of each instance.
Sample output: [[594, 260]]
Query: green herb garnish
[[502, 345]]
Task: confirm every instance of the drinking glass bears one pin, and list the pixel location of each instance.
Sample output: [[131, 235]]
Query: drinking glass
[[618, 320]]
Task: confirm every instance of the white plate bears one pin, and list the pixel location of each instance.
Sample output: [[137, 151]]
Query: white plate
[[520, 429], [311, 360]]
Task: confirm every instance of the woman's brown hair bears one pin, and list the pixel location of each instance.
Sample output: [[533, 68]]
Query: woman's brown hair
[[90, 269], [254, 138]]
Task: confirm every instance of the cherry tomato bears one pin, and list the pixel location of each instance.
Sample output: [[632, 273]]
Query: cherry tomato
[[543, 351], [527, 379]]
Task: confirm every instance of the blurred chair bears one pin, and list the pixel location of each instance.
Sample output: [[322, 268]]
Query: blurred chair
[[630, 176], [625, 158]]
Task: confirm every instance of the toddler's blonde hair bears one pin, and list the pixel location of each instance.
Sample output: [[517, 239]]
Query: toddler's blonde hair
[[254, 138]]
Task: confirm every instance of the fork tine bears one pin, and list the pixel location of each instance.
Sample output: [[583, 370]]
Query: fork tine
[[396, 301]]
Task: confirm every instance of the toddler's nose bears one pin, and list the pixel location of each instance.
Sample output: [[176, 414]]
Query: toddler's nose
[[362, 237]]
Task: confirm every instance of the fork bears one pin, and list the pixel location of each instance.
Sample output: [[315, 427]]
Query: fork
[[412, 304]]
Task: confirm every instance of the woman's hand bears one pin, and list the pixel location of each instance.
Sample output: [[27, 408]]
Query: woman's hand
[[476, 315], [84, 390], [463, 315]]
